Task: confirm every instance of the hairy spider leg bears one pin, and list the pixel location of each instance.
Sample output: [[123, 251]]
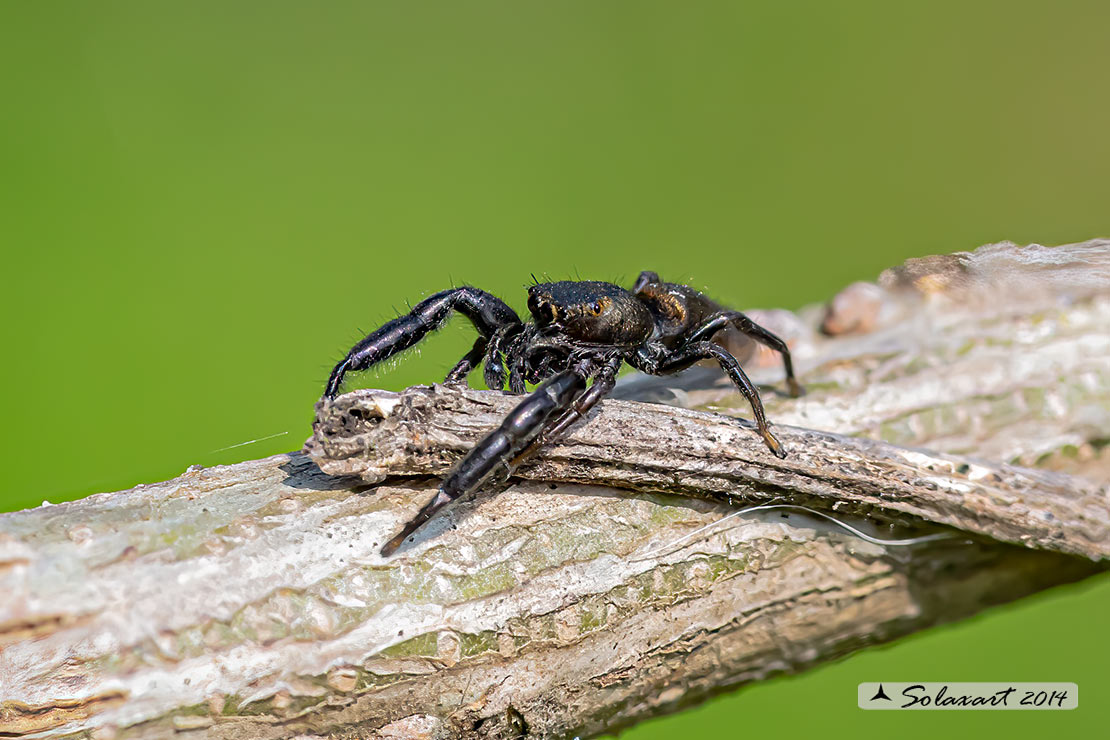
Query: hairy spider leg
[[745, 325], [468, 362], [517, 352], [500, 446], [647, 277], [516, 367], [495, 352], [487, 312], [655, 364], [602, 385]]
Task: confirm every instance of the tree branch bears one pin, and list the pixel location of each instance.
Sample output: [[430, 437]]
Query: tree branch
[[633, 446], [249, 601]]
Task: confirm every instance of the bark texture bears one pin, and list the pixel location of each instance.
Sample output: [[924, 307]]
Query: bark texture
[[248, 601], [632, 446]]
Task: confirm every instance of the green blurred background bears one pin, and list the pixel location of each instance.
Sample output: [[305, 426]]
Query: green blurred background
[[206, 203]]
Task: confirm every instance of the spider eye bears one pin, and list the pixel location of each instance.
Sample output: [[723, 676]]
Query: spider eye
[[595, 308]]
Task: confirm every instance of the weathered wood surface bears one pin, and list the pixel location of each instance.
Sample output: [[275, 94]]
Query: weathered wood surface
[[248, 601], [633, 446]]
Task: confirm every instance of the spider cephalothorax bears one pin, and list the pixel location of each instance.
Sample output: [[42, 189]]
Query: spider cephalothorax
[[580, 330]]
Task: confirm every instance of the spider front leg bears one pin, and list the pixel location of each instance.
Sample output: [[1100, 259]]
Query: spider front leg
[[746, 326], [602, 385], [657, 363], [487, 312], [497, 450]]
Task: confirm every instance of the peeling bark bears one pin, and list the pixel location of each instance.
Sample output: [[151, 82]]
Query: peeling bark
[[249, 601]]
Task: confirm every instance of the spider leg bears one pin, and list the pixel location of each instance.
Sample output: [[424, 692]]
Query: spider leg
[[504, 337], [516, 379], [601, 387], [463, 367], [688, 354], [745, 325], [515, 357], [499, 447], [647, 277], [487, 312]]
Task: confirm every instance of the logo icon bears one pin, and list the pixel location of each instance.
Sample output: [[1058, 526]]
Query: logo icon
[[880, 694]]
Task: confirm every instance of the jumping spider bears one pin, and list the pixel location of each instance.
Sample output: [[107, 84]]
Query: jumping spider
[[579, 330]]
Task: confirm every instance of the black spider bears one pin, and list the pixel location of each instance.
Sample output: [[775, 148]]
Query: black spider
[[579, 330]]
